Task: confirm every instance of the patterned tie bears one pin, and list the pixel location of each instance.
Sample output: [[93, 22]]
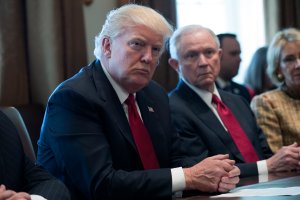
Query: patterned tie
[[141, 136], [237, 133]]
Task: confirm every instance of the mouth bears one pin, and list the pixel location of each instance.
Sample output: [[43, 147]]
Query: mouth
[[142, 71]]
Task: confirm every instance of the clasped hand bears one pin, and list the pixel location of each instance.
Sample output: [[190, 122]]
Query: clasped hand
[[213, 174], [12, 195], [287, 158]]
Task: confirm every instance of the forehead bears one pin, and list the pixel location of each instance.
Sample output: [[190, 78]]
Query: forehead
[[230, 44], [197, 39], [141, 32], [291, 48]]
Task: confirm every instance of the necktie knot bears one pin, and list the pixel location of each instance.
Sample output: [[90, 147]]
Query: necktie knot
[[130, 100], [216, 99]]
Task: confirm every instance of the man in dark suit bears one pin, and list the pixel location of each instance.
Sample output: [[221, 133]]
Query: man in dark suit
[[230, 64], [19, 176], [88, 139], [195, 55]]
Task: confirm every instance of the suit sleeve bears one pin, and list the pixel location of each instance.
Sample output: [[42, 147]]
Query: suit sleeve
[[78, 137], [38, 181]]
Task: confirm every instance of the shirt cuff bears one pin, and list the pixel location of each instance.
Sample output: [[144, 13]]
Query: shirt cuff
[[37, 197], [178, 179], [262, 171]]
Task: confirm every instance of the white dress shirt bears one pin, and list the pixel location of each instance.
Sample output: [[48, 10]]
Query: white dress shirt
[[207, 98], [178, 179]]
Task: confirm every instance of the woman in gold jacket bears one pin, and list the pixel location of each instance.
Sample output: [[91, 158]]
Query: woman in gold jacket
[[278, 111]]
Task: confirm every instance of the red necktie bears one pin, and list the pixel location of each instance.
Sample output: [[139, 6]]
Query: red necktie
[[141, 136], [237, 133]]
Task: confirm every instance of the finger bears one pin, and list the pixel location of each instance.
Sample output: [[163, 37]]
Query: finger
[[230, 180], [2, 187], [225, 187], [226, 166], [293, 147], [234, 172], [295, 144], [231, 162], [21, 196], [7, 194], [220, 157]]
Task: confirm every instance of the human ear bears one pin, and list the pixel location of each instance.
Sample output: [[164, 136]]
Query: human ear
[[106, 46], [173, 63]]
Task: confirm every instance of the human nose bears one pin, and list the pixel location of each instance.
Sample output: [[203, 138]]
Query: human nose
[[202, 60], [298, 62], [147, 56]]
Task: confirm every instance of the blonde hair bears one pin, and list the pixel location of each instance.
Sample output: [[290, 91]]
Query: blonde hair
[[280, 39]]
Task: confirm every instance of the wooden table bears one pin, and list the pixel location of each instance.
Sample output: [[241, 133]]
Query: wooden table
[[286, 179]]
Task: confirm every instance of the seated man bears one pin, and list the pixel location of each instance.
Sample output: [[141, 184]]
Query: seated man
[[212, 121], [107, 131], [19, 176], [230, 64]]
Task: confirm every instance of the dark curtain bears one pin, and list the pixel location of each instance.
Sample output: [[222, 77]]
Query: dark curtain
[[289, 13], [41, 44], [164, 74]]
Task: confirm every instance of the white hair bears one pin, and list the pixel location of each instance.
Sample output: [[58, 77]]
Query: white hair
[[128, 16]]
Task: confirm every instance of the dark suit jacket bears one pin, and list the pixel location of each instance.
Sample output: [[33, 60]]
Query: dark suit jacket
[[238, 89], [19, 173], [86, 139], [204, 135]]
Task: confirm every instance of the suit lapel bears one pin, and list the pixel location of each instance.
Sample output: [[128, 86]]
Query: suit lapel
[[112, 103], [209, 119], [152, 122]]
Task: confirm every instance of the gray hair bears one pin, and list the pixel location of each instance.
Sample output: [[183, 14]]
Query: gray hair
[[128, 16], [280, 39], [175, 38]]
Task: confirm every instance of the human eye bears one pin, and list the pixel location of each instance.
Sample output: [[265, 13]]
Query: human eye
[[191, 55], [209, 52], [136, 44], [156, 50], [289, 59]]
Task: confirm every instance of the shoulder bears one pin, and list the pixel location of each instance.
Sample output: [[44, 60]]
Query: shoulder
[[238, 85], [81, 85], [154, 90], [269, 97]]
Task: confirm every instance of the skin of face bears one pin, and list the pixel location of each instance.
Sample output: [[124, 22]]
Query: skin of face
[[133, 56], [231, 59], [290, 65], [198, 59]]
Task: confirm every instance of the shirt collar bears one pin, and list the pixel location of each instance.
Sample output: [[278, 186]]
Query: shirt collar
[[122, 94], [204, 94], [222, 83]]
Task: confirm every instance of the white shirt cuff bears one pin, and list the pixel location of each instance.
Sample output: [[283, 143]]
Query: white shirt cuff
[[37, 197], [178, 179], [262, 171]]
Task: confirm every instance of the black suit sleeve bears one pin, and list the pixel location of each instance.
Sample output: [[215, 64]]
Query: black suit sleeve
[[38, 181], [19, 173]]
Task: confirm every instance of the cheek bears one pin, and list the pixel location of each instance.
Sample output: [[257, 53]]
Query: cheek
[[190, 73], [284, 70], [215, 67]]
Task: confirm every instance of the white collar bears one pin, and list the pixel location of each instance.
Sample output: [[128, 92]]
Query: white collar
[[122, 94]]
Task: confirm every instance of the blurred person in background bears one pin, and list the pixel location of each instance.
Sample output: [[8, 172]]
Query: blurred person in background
[[278, 111], [256, 76], [230, 64]]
